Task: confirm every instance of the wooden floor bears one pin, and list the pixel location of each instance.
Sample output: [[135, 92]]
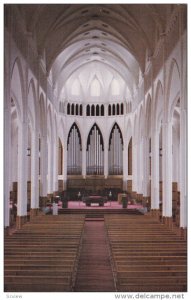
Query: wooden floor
[[95, 253]]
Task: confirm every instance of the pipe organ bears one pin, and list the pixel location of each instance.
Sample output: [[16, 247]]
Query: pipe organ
[[115, 155], [74, 148], [95, 152]]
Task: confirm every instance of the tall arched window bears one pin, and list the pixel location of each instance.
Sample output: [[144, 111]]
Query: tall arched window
[[115, 151], [122, 112], [97, 110], [95, 88], [74, 148], [95, 152], [92, 110], [68, 108], [72, 108], [81, 111], [102, 110], [113, 110], [76, 109], [88, 110], [109, 110], [117, 109]]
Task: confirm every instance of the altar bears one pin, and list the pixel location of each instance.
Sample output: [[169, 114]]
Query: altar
[[95, 199]]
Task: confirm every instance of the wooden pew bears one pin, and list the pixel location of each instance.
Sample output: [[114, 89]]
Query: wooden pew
[[43, 255], [145, 255]]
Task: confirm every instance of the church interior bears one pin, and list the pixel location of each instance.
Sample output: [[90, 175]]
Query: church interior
[[95, 148]]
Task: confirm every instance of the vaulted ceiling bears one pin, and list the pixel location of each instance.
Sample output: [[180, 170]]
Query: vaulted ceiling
[[117, 37]]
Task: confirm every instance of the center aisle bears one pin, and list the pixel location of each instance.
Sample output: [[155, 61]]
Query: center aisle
[[94, 270]]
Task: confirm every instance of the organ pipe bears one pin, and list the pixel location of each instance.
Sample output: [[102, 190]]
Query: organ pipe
[[115, 159], [94, 152], [74, 157]]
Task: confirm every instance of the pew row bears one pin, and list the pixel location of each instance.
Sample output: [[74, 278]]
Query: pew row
[[145, 255], [43, 255]]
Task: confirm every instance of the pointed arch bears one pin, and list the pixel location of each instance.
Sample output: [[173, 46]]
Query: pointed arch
[[158, 105], [32, 104], [81, 110], [115, 155], [72, 109], [113, 110], [74, 126], [122, 109], [17, 87], [173, 87], [111, 132], [109, 110], [68, 109], [117, 108], [74, 148], [95, 152], [77, 109], [92, 110], [97, 110], [102, 110], [88, 110]]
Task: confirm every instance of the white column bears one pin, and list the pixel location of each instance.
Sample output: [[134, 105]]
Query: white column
[[125, 165], [167, 169], [183, 123], [183, 169], [34, 171], [55, 165], [43, 166], [134, 165], [64, 165], [155, 170], [22, 170], [7, 161], [7, 128], [139, 166], [145, 167], [50, 167]]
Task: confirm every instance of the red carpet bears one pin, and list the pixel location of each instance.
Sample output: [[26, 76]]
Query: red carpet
[[94, 270]]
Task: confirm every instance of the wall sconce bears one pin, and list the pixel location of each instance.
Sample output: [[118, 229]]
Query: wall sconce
[[28, 151]]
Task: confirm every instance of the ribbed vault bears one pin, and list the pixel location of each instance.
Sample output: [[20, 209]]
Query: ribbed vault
[[114, 37]]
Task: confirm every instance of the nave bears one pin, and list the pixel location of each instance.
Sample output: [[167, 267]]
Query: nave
[[77, 253], [95, 106]]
